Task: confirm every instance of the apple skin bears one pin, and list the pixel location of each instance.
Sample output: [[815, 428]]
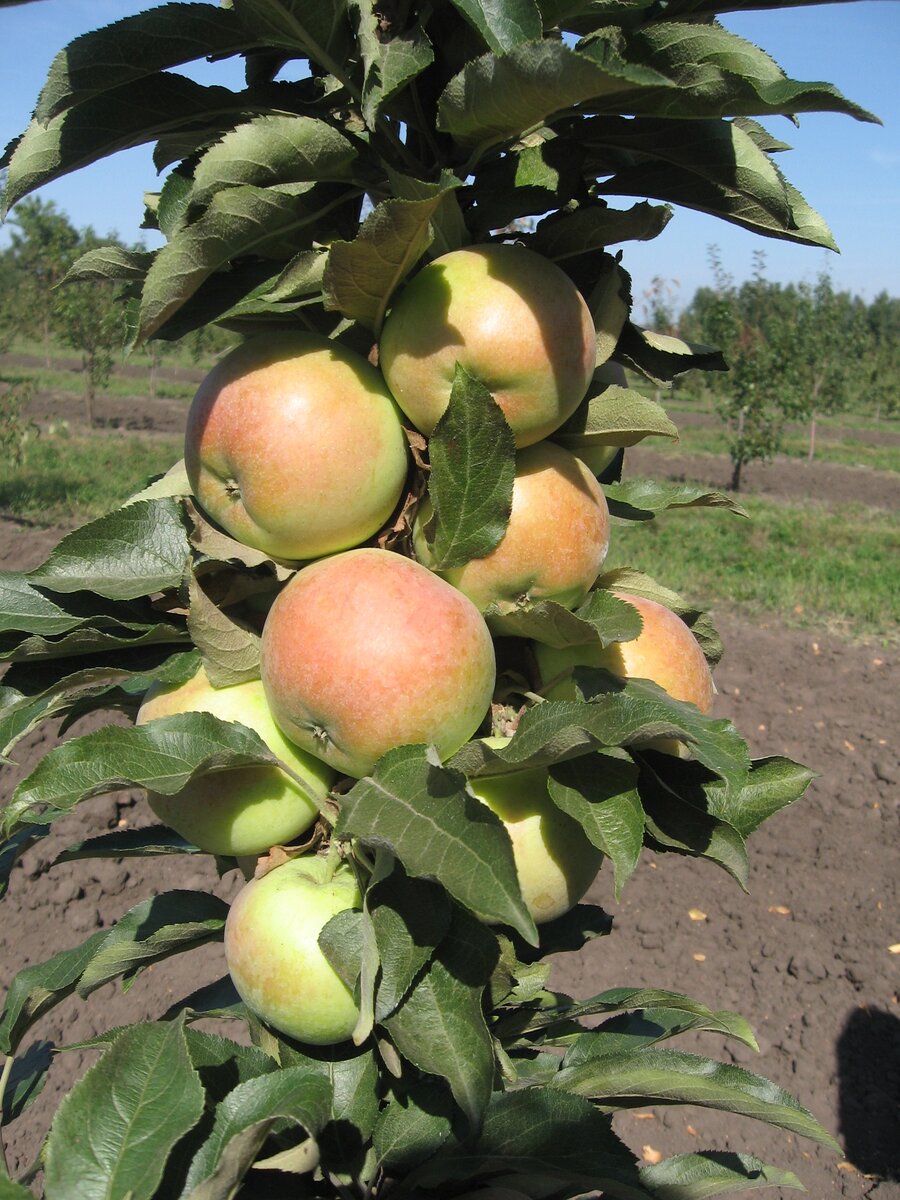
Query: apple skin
[[273, 954], [244, 810], [555, 542], [368, 650], [555, 861], [665, 652], [511, 317], [295, 447]]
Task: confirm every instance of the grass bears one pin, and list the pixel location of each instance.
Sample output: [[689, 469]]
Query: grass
[[71, 480], [805, 564], [59, 379]]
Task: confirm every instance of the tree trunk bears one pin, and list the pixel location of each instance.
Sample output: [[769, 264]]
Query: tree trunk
[[812, 437], [736, 465], [89, 392]]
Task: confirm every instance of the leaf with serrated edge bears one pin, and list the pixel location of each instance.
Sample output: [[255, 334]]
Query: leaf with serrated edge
[[362, 275], [660, 357], [409, 917], [647, 1077], [145, 1095], [626, 579], [642, 499], [161, 756], [713, 1173], [613, 416], [230, 646], [424, 815], [593, 227], [502, 23], [648, 1027], [473, 468], [132, 552], [600, 792], [146, 842], [248, 1112], [414, 1124]]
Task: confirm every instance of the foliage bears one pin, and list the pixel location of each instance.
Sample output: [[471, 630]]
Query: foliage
[[413, 129]]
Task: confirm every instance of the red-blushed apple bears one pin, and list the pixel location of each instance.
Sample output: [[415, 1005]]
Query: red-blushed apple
[[555, 542], [241, 810], [273, 953], [295, 447], [368, 650], [665, 652], [512, 318], [555, 861]]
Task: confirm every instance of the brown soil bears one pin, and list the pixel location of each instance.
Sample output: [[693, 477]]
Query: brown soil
[[805, 957]]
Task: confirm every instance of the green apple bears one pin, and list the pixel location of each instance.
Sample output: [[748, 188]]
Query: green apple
[[511, 317], [555, 861], [554, 545], [273, 954], [242, 810], [294, 446], [369, 650]]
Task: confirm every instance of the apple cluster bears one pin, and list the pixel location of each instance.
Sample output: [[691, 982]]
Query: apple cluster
[[296, 446]]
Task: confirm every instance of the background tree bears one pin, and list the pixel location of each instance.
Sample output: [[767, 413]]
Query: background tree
[[43, 245]]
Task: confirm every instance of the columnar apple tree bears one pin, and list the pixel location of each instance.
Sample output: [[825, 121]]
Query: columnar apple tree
[[407, 1042]]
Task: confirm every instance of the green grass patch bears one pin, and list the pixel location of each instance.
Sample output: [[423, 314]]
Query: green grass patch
[[70, 480], [848, 452], [805, 564], [70, 382]]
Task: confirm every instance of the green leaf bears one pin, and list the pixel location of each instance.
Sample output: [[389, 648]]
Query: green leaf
[[440, 1026], [12, 848], [37, 988], [414, 1124], [161, 756], [410, 918], [132, 552], [243, 1121], [87, 640], [592, 227], [646, 1077], [611, 415], [362, 275], [217, 999], [602, 618], [600, 793], [229, 644], [660, 357], [473, 468], [626, 579], [617, 713], [642, 499], [448, 225], [9, 1190], [239, 221], [649, 1026], [713, 1173], [536, 1133], [144, 1095], [319, 31], [152, 931], [391, 62], [422, 813], [148, 842], [110, 264], [134, 47], [274, 149], [130, 115], [26, 1081], [503, 24]]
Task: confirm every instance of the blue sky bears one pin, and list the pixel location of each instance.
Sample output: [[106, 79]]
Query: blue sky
[[847, 170]]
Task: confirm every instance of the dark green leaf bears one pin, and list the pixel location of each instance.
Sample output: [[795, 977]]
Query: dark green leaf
[[648, 1026], [129, 843], [110, 264], [422, 813], [642, 499], [414, 1124], [473, 468], [713, 1173], [152, 931], [12, 848], [503, 24], [161, 756], [390, 62], [136, 46], [26, 1080], [592, 227], [218, 999], [600, 792], [646, 1077], [536, 1134], [440, 1026], [362, 275], [245, 1117], [660, 357], [145, 1095], [319, 31], [134, 551]]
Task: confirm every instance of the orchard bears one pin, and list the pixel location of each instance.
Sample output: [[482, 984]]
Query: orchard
[[362, 645]]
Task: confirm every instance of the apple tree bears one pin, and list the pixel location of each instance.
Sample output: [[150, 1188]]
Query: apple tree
[[369, 143]]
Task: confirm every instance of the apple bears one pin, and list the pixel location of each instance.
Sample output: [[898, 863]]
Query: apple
[[555, 542], [273, 954], [295, 447], [242, 810], [665, 652], [369, 650], [555, 861], [511, 317]]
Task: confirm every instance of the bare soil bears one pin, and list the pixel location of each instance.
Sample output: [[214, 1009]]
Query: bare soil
[[805, 957]]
